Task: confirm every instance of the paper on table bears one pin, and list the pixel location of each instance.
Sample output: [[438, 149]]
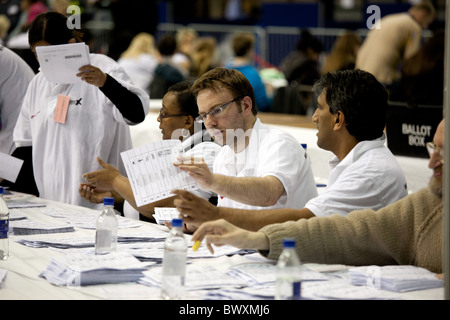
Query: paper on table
[[152, 174], [10, 168], [165, 214], [61, 63]]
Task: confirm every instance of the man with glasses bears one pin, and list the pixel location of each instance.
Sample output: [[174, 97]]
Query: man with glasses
[[258, 166], [407, 232], [350, 119]]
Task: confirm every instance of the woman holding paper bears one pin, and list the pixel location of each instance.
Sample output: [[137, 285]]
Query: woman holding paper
[[69, 124], [176, 121]]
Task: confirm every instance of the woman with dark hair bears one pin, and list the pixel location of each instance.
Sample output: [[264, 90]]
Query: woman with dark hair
[[99, 110], [176, 118]]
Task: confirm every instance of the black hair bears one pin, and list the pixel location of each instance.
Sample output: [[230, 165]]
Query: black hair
[[360, 97], [186, 99], [51, 27]]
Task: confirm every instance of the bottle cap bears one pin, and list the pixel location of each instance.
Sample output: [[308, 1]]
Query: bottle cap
[[289, 243], [177, 223], [108, 201]]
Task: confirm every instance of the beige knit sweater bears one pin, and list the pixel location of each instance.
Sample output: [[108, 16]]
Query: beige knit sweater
[[407, 232]]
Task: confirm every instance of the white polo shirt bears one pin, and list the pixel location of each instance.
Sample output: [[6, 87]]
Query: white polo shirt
[[369, 177], [94, 127], [271, 152]]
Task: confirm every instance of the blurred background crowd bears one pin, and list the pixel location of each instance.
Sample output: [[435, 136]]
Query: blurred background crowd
[[281, 46]]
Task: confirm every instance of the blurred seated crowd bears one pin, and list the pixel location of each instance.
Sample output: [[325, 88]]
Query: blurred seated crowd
[[156, 64]]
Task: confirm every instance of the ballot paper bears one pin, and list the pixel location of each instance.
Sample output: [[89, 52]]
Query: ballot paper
[[197, 278], [394, 278], [151, 171], [81, 269], [87, 219], [61, 63], [165, 214], [10, 168]]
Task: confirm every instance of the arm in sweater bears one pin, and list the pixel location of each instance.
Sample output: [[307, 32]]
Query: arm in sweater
[[364, 237]]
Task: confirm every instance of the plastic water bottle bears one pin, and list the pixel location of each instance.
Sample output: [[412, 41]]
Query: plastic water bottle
[[174, 263], [288, 283], [106, 232], [4, 228]]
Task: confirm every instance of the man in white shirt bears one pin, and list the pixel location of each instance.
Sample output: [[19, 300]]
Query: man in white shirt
[[350, 119], [258, 167]]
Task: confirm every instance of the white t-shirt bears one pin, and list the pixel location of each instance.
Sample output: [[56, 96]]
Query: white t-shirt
[[94, 128], [271, 152], [368, 177], [140, 69], [15, 75]]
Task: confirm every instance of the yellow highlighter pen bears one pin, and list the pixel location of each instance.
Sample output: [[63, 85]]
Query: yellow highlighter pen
[[196, 245]]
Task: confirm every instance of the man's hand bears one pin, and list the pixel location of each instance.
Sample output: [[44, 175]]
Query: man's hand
[[221, 232], [193, 209], [197, 169]]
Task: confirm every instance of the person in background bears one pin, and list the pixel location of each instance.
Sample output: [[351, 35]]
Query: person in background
[[258, 166], [422, 79], [350, 119], [185, 39], [15, 75], [101, 108], [167, 72], [176, 121], [407, 232], [140, 60], [397, 39], [301, 67], [203, 56], [243, 48], [343, 54]]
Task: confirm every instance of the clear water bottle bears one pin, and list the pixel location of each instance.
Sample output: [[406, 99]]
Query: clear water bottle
[[174, 263], [106, 232], [4, 227], [288, 283]]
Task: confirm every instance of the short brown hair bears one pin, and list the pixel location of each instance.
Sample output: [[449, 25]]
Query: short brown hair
[[230, 79], [243, 43]]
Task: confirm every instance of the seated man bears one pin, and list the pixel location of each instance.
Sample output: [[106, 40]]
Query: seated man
[[258, 166], [407, 232], [350, 119]]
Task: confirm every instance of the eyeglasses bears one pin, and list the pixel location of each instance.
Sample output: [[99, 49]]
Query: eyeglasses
[[431, 148], [163, 115], [216, 111]]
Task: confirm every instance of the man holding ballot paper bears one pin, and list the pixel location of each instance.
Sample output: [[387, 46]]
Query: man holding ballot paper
[[77, 108]]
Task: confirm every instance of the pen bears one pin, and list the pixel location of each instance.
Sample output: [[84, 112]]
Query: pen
[[196, 245]]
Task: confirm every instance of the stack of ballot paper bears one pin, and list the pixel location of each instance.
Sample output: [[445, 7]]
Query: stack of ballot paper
[[394, 278], [27, 227], [81, 269], [61, 63]]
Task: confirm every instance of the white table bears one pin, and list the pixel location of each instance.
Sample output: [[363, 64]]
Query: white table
[[25, 264]]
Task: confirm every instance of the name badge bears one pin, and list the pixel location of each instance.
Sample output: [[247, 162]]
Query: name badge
[[62, 106]]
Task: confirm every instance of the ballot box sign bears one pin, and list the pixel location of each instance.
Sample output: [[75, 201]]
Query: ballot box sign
[[408, 129]]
